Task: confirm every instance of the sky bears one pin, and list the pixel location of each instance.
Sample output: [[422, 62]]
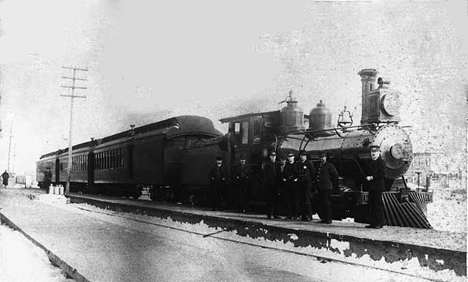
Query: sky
[[150, 60]]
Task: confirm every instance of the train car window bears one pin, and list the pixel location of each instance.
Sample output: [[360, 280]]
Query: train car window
[[106, 159], [236, 128], [245, 132], [257, 127], [122, 163]]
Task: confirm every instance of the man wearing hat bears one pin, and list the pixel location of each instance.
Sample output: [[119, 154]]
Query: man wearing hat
[[241, 175], [269, 173], [306, 172], [219, 179], [376, 184], [290, 178], [327, 178]]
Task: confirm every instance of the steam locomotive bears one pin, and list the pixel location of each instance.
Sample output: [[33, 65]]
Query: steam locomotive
[[173, 157]]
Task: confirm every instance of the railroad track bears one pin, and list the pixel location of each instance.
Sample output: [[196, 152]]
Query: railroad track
[[216, 235]]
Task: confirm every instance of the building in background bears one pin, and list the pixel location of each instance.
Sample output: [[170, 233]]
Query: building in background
[[436, 170]]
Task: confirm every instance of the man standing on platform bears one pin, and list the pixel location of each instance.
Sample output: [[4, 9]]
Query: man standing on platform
[[375, 179], [327, 178], [306, 172], [47, 179], [290, 177], [219, 178], [5, 177], [242, 174], [269, 173]]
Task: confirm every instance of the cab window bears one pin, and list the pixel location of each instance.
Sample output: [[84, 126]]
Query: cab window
[[245, 132]]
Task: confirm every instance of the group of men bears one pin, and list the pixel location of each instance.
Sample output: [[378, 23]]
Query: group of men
[[297, 184]]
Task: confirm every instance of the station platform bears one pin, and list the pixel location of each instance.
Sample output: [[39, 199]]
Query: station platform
[[51, 228]]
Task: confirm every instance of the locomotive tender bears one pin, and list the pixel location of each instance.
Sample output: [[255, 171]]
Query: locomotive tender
[[173, 157]]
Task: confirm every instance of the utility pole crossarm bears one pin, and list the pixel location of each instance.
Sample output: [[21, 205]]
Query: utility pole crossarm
[[73, 87], [75, 68], [74, 78], [73, 96]]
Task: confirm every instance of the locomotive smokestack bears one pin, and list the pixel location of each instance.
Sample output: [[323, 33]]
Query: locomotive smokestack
[[368, 78]]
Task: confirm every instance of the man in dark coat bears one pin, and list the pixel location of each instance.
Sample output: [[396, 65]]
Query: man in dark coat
[[327, 178], [279, 179], [290, 177], [5, 177], [269, 174], [242, 174], [306, 172], [47, 179], [376, 184], [219, 179]]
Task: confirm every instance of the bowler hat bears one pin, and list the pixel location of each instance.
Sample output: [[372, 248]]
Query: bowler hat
[[323, 153], [272, 153], [290, 155], [375, 148], [219, 158], [303, 152]]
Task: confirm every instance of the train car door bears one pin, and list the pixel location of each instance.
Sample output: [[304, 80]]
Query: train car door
[[171, 166], [57, 170], [130, 148], [91, 169]]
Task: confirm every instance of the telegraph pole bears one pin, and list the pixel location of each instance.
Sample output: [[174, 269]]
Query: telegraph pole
[[1, 78], [74, 78]]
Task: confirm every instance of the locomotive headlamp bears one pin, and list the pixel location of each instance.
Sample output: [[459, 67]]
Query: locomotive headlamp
[[390, 103]]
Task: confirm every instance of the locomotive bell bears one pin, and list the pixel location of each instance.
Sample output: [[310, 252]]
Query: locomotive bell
[[320, 118], [292, 117]]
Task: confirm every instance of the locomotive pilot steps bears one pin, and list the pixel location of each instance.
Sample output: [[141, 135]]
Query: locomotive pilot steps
[[173, 157]]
